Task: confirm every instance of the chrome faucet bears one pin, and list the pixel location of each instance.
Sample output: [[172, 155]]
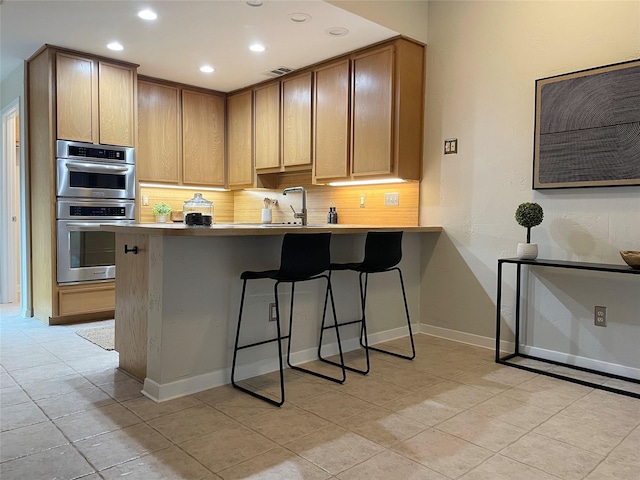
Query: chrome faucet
[[303, 214]]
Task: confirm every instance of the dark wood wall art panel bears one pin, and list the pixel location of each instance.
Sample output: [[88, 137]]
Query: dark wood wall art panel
[[587, 130]]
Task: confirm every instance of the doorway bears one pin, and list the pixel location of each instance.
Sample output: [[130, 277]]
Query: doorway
[[10, 258]]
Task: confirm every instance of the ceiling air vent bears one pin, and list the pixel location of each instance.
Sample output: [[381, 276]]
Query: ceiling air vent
[[278, 72]]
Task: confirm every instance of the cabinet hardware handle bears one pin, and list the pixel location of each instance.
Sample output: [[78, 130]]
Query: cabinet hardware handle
[[133, 249]]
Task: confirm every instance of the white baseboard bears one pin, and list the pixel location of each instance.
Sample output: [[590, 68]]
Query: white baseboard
[[584, 362], [197, 383], [562, 357], [464, 337]]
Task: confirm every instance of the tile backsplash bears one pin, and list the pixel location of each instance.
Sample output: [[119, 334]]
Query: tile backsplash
[[246, 205]]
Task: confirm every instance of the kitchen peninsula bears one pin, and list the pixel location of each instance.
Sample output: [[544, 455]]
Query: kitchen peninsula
[[178, 291]]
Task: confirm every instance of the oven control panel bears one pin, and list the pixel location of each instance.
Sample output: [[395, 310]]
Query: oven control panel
[[87, 209], [82, 211]]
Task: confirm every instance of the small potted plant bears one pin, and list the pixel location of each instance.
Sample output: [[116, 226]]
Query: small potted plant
[[528, 215], [160, 211]]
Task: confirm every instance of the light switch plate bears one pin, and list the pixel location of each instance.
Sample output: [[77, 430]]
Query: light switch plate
[[450, 146]]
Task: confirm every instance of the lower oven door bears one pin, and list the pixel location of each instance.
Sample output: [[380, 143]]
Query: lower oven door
[[86, 253]]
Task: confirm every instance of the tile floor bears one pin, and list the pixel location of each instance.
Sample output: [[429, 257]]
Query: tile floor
[[67, 413]]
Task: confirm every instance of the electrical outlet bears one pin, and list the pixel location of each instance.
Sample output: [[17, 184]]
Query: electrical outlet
[[362, 200], [145, 200], [391, 199], [600, 316], [272, 312]]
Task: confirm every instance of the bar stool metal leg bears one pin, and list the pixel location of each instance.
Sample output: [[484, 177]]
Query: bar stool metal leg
[[278, 339], [406, 310], [328, 295], [324, 327]]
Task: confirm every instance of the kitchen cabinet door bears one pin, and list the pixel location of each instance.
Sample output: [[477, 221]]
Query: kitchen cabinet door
[[296, 121], [76, 92], [388, 111], [203, 139], [94, 101], [373, 104], [267, 126], [331, 125], [158, 153], [116, 104], [239, 136]]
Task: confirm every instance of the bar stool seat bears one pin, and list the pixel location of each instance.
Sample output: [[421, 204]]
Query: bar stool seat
[[304, 257], [382, 253]]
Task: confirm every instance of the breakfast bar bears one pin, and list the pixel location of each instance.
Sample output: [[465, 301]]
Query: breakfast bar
[[178, 290]]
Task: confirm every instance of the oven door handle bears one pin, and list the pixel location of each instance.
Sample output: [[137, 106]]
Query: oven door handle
[[90, 167], [76, 227]]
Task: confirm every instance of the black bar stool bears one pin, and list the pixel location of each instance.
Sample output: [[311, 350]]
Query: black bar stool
[[304, 257], [382, 253]]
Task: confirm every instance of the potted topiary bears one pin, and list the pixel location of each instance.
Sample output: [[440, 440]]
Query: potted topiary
[[528, 215], [160, 211]]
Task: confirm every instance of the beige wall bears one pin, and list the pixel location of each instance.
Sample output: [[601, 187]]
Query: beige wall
[[482, 62], [408, 17]]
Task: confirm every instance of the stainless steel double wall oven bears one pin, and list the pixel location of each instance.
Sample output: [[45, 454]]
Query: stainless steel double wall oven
[[95, 185]]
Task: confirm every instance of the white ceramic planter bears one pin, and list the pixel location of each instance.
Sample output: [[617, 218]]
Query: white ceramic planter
[[527, 251], [161, 219]]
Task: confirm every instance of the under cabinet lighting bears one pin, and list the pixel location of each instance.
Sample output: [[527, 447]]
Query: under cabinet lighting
[[115, 46], [178, 187], [256, 47], [207, 69], [147, 14], [379, 181]]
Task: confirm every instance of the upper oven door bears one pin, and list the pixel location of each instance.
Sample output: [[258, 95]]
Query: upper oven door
[[95, 180]]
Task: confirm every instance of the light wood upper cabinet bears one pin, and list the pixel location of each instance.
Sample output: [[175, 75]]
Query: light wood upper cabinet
[[240, 135], [159, 143], [296, 121], [76, 82], [181, 134], [94, 100], [267, 126], [388, 111], [203, 138], [373, 104], [115, 104], [331, 122]]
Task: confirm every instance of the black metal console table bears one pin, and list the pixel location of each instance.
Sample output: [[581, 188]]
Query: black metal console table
[[598, 267]]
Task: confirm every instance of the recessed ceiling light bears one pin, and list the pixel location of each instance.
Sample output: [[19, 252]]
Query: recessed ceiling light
[[337, 31], [207, 69], [299, 17], [254, 3], [147, 14], [115, 46], [256, 47]]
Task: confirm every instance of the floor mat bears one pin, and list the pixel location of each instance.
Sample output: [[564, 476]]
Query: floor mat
[[102, 336]]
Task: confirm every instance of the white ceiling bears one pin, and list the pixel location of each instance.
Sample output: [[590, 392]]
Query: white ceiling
[[186, 35]]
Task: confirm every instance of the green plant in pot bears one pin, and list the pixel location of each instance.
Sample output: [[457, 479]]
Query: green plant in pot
[[529, 215], [160, 211]]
